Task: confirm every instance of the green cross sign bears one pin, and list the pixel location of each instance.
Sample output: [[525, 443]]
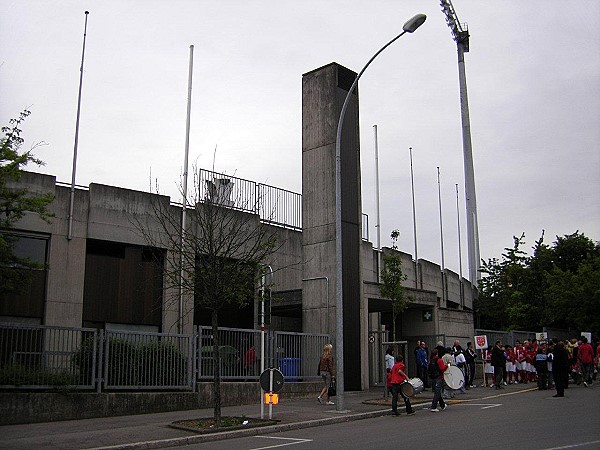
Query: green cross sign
[[427, 315]]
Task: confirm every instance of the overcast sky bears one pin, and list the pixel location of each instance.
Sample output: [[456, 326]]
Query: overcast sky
[[533, 74]]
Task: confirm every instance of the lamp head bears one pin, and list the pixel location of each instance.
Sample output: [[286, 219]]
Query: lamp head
[[413, 23]]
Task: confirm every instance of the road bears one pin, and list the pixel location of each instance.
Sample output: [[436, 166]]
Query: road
[[518, 420]]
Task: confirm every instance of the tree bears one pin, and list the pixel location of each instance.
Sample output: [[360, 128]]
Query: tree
[[15, 202], [392, 279], [219, 258], [557, 286]]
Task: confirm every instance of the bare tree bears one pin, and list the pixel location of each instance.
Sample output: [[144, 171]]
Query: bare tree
[[218, 258]]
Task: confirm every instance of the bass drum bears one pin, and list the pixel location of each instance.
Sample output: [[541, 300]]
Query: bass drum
[[412, 387], [454, 378]]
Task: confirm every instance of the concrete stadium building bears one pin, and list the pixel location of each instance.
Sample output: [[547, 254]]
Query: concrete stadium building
[[104, 274]]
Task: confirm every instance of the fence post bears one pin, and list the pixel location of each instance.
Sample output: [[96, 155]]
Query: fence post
[[98, 351]]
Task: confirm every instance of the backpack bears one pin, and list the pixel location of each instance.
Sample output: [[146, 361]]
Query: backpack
[[433, 370]]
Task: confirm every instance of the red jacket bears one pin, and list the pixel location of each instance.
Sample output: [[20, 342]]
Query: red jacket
[[443, 367], [396, 377], [585, 354]]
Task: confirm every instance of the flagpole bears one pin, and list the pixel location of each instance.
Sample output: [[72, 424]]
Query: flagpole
[[72, 193], [184, 188]]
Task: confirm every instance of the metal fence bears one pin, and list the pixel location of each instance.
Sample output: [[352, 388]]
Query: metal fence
[[273, 205], [45, 357], [42, 357], [507, 337], [295, 354]]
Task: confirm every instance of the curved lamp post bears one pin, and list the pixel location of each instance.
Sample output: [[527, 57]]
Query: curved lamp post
[[409, 27]]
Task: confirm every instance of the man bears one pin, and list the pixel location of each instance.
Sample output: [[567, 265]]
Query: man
[[498, 361], [438, 381], [585, 355], [470, 356], [422, 365], [560, 368], [389, 363], [399, 377]]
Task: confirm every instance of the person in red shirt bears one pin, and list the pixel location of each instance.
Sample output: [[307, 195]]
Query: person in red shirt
[[398, 376], [585, 356], [439, 382]]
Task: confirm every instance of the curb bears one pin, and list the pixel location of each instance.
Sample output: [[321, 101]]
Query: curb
[[198, 439]]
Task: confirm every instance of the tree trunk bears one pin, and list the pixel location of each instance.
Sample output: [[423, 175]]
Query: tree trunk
[[216, 368]]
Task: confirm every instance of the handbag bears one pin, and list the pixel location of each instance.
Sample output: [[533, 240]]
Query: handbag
[[332, 389]]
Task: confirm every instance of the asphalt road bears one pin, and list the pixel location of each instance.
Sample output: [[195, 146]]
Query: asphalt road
[[520, 420]]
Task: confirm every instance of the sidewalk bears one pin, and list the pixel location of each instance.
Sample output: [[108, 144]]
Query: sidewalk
[[153, 431]]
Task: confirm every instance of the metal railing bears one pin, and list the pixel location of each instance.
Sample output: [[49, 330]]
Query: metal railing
[[143, 360], [42, 357], [507, 337], [273, 205], [295, 354], [47, 357]]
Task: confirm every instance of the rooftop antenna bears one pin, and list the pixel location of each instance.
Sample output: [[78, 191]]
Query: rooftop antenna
[[460, 34]]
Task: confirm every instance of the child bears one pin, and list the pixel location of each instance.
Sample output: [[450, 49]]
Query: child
[[488, 369], [511, 367]]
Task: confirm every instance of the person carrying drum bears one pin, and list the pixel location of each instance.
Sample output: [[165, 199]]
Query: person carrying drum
[[399, 377]]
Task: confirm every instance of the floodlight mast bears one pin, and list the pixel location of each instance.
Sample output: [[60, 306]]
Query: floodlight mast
[[460, 35]]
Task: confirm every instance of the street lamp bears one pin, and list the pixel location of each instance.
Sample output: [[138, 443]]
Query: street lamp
[[409, 27]]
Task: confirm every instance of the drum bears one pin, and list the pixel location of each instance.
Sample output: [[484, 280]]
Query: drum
[[454, 377], [412, 387]]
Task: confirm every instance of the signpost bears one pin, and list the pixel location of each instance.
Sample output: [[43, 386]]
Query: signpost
[[271, 382], [481, 343]]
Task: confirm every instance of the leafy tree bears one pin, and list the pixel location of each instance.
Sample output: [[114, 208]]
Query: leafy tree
[[15, 202], [217, 261], [557, 286], [392, 279]]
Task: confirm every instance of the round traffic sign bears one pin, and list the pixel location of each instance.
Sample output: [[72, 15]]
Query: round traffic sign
[[265, 380]]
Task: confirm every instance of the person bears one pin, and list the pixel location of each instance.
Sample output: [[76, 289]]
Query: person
[[417, 348], [585, 356], [511, 367], [549, 359], [422, 365], [327, 370], [520, 362], [541, 367], [488, 369], [498, 361], [470, 356], [573, 347], [448, 359], [560, 368], [250, 361], [398, 377], [389, 363], [597, 361], [438, 381], [441, 349], [461, 363]]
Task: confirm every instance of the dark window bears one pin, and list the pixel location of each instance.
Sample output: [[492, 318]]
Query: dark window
[[23, 278], [123, 284]]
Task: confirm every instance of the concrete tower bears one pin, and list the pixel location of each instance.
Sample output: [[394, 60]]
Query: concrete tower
[[323, 93]]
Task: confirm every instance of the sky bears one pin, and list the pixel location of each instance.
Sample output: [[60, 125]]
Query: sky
[[533, 76]]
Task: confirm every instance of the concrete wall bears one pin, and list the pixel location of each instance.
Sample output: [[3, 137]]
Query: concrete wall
[[18, 408]]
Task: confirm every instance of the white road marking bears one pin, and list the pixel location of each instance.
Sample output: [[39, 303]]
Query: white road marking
[[485, 405], [573, 445], [295, 441]]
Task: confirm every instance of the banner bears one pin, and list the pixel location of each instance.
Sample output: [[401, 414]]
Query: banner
[[481, 342]]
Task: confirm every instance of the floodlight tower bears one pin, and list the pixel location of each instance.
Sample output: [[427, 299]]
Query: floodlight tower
[[460, 34]]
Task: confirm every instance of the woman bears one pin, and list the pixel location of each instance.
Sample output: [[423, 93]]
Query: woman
[[327, 370]]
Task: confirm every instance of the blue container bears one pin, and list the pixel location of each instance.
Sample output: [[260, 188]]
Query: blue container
[[290, 368]]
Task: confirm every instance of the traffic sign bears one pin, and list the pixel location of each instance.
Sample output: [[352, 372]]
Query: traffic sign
[[271, 380]]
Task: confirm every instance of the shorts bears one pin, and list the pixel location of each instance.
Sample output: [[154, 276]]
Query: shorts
[[326, 376], [488, 368]]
